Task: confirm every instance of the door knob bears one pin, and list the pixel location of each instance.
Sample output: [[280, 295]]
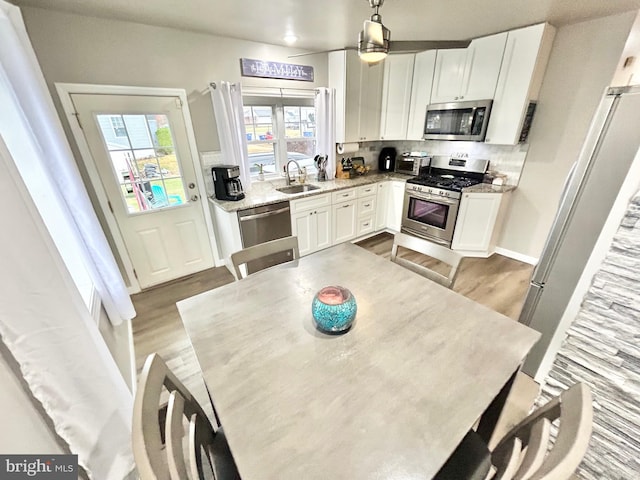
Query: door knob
[[191, 186], [194, 198]]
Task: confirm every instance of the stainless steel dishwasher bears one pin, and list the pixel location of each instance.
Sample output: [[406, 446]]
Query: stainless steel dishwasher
[[261, 224]]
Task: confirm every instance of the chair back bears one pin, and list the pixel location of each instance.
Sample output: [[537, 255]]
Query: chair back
[[524, 453], [262, 250], [425, 247], [159, 429]]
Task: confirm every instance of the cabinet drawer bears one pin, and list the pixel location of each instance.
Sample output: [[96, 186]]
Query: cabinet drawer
[[365, 225], [343, 195], [365, 190], [313, 201], [366, 206]]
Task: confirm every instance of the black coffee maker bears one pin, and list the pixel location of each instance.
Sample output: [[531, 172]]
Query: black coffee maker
[[226, 182]]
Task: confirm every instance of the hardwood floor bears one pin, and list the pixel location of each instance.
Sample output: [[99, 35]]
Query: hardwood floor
[[498, 282]]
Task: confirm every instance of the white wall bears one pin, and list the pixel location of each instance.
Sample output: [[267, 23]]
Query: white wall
[[119, 340], [79, 49], [582, 64]]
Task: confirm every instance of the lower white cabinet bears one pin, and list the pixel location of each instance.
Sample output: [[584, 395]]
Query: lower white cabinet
[[394, 205], [479, 223], [311, 223], [366, 215], [344, 221], [383, 200]]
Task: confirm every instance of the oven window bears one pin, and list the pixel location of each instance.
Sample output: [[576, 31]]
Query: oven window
[[428, 212]]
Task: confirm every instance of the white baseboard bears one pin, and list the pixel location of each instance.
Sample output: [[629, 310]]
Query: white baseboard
[[517, 256]]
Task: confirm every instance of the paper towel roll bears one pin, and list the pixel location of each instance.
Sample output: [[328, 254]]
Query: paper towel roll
[[347, 148]]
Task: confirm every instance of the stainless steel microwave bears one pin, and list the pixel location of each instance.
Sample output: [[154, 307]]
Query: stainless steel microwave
[[457, 121]]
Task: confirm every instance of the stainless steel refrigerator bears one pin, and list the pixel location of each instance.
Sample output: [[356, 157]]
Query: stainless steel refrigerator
[[589, 193]]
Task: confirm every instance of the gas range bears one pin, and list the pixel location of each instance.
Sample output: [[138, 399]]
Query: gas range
[[447, 176], [445, 185], [431, 200]]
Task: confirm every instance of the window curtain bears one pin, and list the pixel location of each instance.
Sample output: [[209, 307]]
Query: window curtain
[[229, 113], [43, 321], [31, 97], [325, 128]]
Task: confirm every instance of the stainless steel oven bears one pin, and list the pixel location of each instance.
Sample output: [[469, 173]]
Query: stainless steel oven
[[430, 215]]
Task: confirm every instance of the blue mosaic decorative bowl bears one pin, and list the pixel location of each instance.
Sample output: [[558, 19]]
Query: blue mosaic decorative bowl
[[334, 309]]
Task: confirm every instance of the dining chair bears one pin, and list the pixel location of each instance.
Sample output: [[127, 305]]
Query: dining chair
[[158, 431], [278, 245], [533, 449], [425, 247]]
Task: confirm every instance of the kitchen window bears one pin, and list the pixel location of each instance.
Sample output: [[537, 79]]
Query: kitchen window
[[279, 130]]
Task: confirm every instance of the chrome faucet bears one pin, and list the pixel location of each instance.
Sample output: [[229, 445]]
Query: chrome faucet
[[289, 179]]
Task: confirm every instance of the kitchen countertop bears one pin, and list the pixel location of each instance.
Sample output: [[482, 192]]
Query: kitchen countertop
[[488, 188], [265, 193]]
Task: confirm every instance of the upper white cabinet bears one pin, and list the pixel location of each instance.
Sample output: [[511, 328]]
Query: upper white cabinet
[[421, 85], [358, 87], [468, 73], [525, 60], [406, 92], [396, 96]]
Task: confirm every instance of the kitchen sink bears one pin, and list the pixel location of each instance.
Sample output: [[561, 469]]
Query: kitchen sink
[[291, 189]]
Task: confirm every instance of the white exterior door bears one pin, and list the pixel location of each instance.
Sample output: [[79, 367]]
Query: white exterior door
[[141, 150]]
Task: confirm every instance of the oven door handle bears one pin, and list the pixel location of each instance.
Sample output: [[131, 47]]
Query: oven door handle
[[433, 198]]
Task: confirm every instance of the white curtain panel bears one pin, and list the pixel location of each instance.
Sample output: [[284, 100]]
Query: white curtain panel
[[43, 320], [325, 128], [228, 109], [31, 96]]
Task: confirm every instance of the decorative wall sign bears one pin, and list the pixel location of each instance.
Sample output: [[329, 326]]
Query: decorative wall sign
[[286, 71]]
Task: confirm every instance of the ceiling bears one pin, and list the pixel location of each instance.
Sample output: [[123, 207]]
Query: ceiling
[[325, 24]]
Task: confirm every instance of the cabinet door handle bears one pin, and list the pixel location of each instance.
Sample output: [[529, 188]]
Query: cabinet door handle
[[345, 206], [456, 98], [365, 224], [367, 204]]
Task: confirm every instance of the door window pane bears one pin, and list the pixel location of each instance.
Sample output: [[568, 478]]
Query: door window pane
[[144, 161]]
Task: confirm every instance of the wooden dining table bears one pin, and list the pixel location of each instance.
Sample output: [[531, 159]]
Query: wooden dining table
[[389, 399]]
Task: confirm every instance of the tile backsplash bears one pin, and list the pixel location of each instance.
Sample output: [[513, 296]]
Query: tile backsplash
[[505, 159], [208, 160]]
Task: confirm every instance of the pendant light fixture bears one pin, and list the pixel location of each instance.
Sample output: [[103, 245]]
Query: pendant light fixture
[[373, 40]]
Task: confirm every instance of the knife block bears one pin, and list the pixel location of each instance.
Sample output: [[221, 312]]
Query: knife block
[[344, 174]]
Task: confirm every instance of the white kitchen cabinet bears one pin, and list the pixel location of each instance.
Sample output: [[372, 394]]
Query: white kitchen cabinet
[[525, 61], [478, 224], [358, 87], [466, 74], [382, 200], [396, 96], [344, 221], [366, 214], [394, 205], [421, 86], [311, 222]]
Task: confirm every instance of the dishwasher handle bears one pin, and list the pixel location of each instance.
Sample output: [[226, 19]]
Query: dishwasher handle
[[265, 214]]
